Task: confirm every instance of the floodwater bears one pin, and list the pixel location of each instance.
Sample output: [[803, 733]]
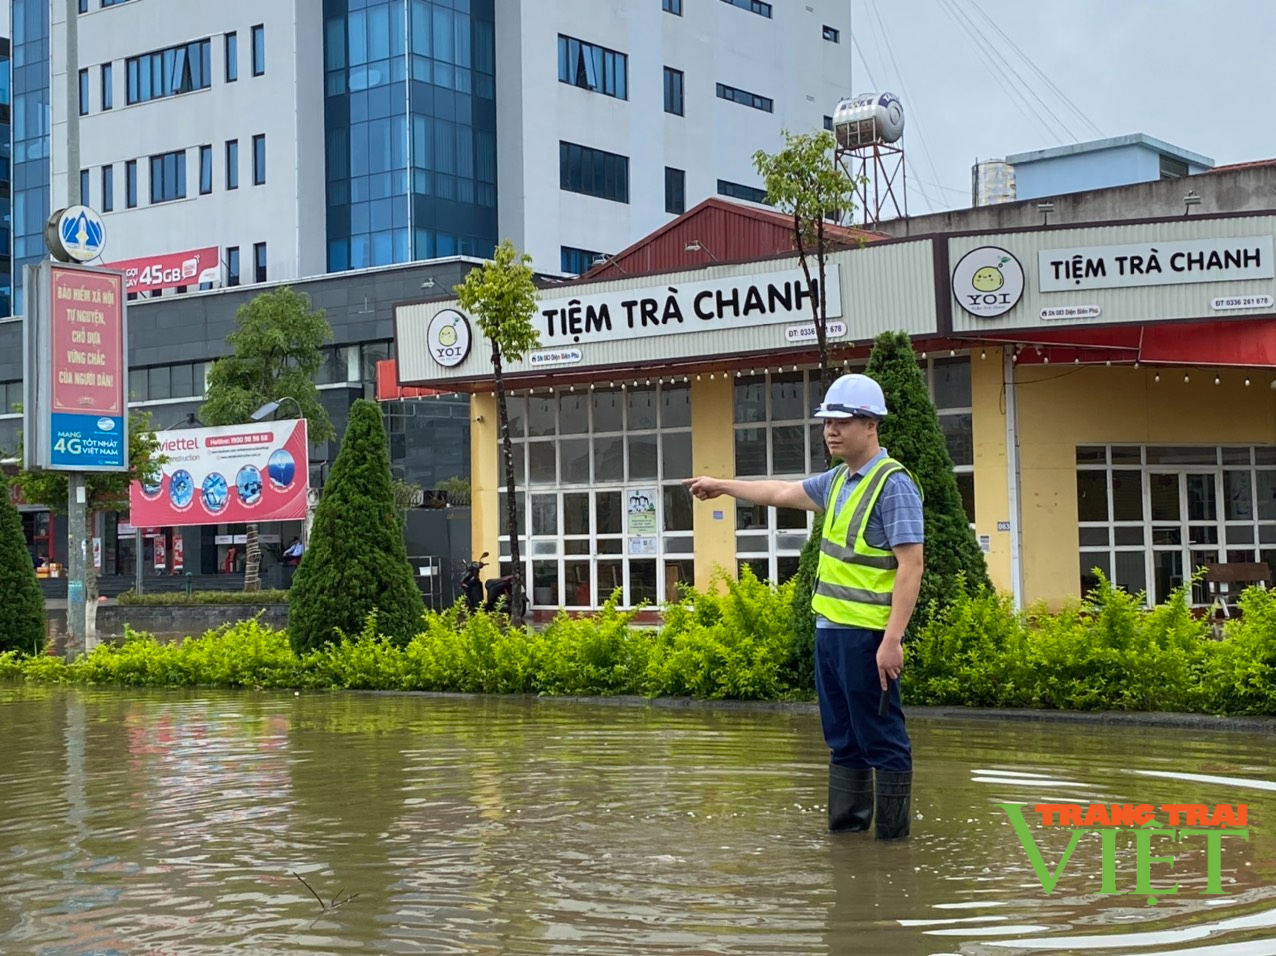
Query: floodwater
[[179, 822]]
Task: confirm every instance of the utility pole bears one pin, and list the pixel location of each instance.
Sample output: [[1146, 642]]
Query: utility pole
[[78, 555]]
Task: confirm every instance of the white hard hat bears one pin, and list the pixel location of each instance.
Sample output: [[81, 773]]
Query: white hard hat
[[851, 396]]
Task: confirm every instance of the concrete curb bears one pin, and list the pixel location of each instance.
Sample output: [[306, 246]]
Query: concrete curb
[[1107, 718]]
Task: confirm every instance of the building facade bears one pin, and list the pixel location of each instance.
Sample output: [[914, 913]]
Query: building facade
[[1103, 389], [1099, 164], [303, 137]]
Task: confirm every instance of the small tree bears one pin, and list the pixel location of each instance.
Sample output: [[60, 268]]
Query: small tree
[[276, 352], [502, 298], [912, 435], [22, 618], [804, 181], [104, 491], [357, 561]]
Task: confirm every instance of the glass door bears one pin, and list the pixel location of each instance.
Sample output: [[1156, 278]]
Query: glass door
[[1184, 508]]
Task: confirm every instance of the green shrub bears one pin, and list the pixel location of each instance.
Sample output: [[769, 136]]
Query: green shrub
[[22, 619], [250, 598], [736, 641], [357, 561]]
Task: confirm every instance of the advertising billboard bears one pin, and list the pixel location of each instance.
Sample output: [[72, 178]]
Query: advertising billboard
[[76, 374], [171, 269], [227, 475]]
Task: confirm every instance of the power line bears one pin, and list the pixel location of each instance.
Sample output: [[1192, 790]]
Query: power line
[[1050, 83], [1011, 89]]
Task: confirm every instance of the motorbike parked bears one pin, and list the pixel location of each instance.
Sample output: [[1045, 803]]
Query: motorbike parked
[[498, 590]]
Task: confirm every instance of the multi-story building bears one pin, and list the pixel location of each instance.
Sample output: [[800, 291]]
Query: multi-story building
[[301, 138]]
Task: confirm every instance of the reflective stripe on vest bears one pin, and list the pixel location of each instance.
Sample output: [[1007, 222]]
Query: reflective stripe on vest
[[856, 581]]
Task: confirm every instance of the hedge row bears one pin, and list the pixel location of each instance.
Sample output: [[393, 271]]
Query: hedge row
[[1106, 653]]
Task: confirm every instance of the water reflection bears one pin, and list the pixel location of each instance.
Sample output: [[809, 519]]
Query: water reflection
[[179, 823]]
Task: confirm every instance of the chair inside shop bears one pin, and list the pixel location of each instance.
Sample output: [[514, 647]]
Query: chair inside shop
[[1226, 582]]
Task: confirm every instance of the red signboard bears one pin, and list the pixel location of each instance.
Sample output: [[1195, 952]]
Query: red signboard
[[88, 343], [170, 270], [389, 389]]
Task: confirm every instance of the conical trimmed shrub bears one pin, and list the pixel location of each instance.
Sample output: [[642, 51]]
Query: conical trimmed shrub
[[22, 617], [912, 435], [357, 560]]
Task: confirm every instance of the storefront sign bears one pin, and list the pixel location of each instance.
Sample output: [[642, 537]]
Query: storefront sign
[[449, 338], [772, 298], [227, 475], [546, 357], [87, 417], [171, 269], [1242, 302], [1069, 312], [988, 281], [1155, 263], [806, 333]]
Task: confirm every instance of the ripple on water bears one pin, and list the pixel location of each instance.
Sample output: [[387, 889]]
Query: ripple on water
[[166, 822]]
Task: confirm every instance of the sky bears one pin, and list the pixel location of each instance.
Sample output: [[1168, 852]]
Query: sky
[[1197, 74]]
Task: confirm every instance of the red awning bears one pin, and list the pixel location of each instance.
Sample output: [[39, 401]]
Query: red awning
[[1246, 343]]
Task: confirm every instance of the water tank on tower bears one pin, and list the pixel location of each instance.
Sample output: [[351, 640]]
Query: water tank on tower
[[868, 119], [992, 182]]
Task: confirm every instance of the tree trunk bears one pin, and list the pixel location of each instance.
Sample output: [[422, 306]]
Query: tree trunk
[[252, 561], [511, 502]]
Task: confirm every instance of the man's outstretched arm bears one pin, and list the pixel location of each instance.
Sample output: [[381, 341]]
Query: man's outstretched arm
[[771, 491]]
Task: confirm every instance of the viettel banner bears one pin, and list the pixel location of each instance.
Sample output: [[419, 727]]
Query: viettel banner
[[171, 269], [236, 473]]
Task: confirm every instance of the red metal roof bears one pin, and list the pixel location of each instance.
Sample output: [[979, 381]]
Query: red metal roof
[[1254, 164], [727, 232]]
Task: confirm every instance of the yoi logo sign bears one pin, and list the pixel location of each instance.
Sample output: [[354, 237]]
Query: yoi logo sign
[[1183, 822]]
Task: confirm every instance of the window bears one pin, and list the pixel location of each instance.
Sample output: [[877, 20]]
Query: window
[[84, 92], [161, 382], [108, 83], [828, 122], [745, 98], [84, 6], [675, 190], [205, 170], [179, 69], [753, 6], [259, 49], [1149, 516], [168, 176], [950, 389], [593, 67], [84, 187], [583, 461], [833, 36], [232, 265], [593, 172], [672, 6], [108, 188], [673, 91], [738, 191], [259, 159], [113, 3], [232, 57], [232, 164], [130, 183], [259, 261], [577, 261], [1172, 168]]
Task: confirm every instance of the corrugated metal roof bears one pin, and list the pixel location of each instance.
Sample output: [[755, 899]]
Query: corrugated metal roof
[[726, 231]]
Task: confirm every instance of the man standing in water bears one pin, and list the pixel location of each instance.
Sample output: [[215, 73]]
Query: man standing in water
[[869, 573]]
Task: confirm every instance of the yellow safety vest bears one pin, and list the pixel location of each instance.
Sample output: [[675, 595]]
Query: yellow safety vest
[[854, 580]]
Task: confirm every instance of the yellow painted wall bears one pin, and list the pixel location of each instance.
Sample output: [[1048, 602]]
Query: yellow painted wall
[[485, 477], [713, 453], [1061, 407], [992, 492]]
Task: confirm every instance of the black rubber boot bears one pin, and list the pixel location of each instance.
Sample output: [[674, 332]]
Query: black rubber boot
[[850, 798], [894, 798]]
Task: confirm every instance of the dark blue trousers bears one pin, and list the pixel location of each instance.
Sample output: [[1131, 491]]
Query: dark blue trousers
[[850, 692]]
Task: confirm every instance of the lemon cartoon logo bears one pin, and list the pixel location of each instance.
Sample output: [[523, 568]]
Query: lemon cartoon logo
[[988, 282], [448, 338]]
